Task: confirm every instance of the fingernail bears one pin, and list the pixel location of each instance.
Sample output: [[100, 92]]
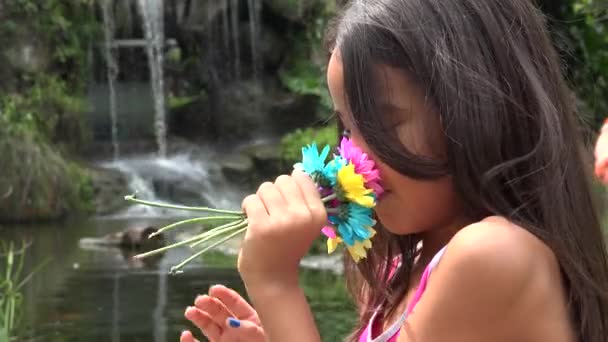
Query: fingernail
[[233, 322], [216, 285]]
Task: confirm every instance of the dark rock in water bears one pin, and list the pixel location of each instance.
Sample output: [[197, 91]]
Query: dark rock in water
[[136, 237], [139, 237]]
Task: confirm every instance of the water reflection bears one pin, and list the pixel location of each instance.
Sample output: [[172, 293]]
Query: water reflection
[[101, 294]]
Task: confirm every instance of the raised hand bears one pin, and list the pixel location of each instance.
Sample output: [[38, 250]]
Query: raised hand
[[224, 316], [601, 155]]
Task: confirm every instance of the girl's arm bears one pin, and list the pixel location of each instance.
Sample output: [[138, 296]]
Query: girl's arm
[[284, 312], [284, 218]]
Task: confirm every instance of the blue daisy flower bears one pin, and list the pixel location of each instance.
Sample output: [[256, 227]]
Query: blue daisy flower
[[330, 171], [313, 162], [352, 223]]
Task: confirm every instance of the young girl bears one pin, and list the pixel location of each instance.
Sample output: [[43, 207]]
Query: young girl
[[488, 208]]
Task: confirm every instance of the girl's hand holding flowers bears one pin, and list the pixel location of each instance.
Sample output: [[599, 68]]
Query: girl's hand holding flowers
[[284, 218]]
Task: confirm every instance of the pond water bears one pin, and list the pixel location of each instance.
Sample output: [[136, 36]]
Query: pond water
[[87, 293]]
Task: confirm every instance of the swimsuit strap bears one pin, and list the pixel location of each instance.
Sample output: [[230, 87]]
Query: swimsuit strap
[[394, 329]]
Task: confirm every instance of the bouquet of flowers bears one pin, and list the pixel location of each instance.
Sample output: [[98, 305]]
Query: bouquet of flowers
[[349, 186]]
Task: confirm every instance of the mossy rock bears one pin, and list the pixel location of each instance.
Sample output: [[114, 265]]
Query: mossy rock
[[38, 184]]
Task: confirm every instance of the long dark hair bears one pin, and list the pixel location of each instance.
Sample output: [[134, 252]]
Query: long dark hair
[[513, 141]]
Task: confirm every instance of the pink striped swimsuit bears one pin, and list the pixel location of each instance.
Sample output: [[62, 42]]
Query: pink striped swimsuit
[[391, 334]]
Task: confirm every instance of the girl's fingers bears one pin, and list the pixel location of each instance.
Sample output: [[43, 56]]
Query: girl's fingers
[[214, 308], [205, 323], [234, 302], [273, 200], [307, 187], [311, 196], [242, 331], [254, 209], [290, 190], [187, 337]]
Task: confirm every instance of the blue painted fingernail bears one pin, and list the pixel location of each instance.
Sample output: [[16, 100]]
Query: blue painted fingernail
[[233, 322]]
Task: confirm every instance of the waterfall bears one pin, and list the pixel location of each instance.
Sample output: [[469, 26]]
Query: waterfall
[[255, 10], [112, 70], [225, 25], [152, 14], [199, 173], [234, 7]]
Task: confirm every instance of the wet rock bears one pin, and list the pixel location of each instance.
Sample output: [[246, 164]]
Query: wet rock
[[293, 111], [28, 55], [292, 10], [246, 110], [238, 168], [266, 159], [109, 190]]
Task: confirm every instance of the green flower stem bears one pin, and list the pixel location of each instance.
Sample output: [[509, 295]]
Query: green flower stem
[[177, 268], [329, 197], [189, 221], [131, 198], [166, 248], [219, 231], [332, 210]]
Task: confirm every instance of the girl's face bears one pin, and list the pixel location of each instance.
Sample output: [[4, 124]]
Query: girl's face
[[408, 205]]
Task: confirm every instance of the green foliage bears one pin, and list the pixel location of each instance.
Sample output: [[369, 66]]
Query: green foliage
[[292, 143], [67, 28], [37, 182], [11, 283], [176, 102], [304, 72], [590, 72], [307, 78], [333, 308], [47, 110]]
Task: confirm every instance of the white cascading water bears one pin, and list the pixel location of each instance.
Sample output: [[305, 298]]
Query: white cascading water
[[225, 25], [234, 18], [111, 70], [255, 12], [200, 173], [152, 13]]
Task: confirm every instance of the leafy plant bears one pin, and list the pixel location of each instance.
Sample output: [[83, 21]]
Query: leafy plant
[[291, 144], [47, 110], [11, 284], [590, 71], [66, 27]]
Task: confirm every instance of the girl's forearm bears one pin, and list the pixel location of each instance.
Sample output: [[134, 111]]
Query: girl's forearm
[[284, 313]]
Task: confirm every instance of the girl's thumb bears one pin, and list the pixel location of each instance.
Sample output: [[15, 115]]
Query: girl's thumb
[[245, 331]]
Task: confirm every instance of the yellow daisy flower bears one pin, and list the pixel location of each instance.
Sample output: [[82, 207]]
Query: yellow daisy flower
[[353, 186]]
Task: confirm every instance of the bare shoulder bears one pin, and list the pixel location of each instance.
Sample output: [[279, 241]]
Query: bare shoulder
[[498, 254], [497, 243], [490, 277]]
